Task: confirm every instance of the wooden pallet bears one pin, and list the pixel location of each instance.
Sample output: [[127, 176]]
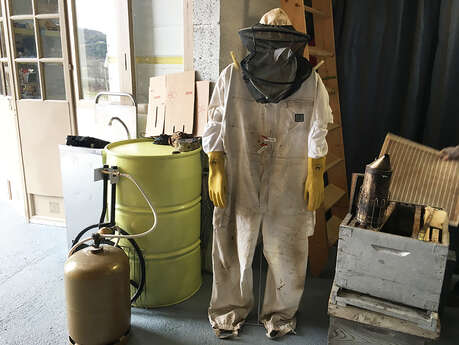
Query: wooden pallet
[[335, 205], [346, 332], [424, 319], [382, 321]]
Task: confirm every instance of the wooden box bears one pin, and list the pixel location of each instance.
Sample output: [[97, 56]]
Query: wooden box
[[354, 325], [392, 263]]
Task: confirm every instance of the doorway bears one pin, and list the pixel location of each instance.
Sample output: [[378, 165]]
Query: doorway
[[38, 51]]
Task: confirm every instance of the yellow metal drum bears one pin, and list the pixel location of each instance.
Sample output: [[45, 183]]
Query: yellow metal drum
[[172, 181]]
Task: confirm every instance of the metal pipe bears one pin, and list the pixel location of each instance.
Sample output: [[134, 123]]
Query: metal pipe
[[122, 123]]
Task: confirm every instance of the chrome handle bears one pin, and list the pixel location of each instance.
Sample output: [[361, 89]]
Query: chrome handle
[[110, 93]]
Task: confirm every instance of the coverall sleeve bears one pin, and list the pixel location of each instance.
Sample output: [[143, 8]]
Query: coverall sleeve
[[321, 117], [212, 139]]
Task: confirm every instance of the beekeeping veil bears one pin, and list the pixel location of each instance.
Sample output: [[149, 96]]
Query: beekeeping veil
[[275, 67]]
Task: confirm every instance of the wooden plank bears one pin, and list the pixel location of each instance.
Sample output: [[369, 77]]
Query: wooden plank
[[333, 126], [333, 230], [295, 12], [417, 222], [318, 245], [314, 51], [332, 161], [421, 318], [346, 332], [435, 235], [202, 105], [335, 143], [371, 318], [332, 195], [315, 11]]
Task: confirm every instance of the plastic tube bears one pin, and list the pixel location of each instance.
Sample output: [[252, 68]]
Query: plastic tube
[[155, 220]]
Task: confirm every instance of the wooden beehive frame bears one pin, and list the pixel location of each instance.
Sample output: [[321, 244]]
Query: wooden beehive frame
[[420, 176]]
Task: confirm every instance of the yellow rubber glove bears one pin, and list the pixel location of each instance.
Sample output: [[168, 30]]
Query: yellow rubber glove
[[314, 187], [217, 179]]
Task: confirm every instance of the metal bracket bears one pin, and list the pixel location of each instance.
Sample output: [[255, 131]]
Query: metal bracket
[[113, 174]]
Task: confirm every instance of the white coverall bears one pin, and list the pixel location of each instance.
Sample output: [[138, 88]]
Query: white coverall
[[266, 146]]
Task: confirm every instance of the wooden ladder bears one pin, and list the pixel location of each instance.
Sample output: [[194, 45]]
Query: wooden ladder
[[335, 206]]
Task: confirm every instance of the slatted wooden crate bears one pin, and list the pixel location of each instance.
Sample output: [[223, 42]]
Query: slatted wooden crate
[[423, 319], [354, 325], [390, 263]]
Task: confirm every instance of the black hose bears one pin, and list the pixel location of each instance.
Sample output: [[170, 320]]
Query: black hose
[[141, 285], [113, 201], [104, 202]]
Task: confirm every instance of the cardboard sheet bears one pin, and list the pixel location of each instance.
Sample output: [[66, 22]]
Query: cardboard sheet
[[171, 103], [420, 176], [202, 106]]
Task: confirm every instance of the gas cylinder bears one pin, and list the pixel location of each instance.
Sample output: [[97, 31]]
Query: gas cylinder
[[98, 296]]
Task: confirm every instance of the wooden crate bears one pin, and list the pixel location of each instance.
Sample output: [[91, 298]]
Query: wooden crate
[[353, 325], [345, 332], [390, 264], [427, 320]]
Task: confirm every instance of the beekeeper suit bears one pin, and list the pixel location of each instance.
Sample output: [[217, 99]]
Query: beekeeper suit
[[266, 118]]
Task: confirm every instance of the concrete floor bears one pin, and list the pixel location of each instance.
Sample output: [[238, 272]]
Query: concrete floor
[[32, 309]]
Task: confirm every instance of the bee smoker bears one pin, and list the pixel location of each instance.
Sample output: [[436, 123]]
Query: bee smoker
[[374, 193]]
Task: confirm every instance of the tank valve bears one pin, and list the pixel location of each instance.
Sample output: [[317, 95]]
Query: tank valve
[[97, 238]]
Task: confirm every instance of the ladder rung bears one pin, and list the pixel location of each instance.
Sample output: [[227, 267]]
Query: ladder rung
[[319, 52], [331, 91], [332, 161], [315, 11], [333, 194], [333, 126]]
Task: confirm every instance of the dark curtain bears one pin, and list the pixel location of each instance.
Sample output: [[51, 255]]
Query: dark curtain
[[398, 71]]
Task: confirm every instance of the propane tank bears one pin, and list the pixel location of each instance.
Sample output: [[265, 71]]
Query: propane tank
[[98, 296], [374, 193]]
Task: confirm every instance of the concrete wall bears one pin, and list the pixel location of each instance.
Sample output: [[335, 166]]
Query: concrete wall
[[206, 38], [215, 31]]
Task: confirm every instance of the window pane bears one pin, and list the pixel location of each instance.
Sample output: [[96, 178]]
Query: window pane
[[50, 36], [7, 79], [54, 81], [47, 6], [29, 81], [2, 42], [98, 47], [22, 6], [152, 23], [24, 38]]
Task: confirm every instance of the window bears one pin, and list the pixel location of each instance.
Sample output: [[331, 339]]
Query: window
[[37, 52]]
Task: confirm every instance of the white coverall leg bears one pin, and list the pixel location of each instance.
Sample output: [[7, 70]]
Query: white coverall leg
[[266, 146]]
